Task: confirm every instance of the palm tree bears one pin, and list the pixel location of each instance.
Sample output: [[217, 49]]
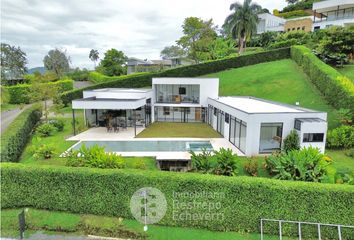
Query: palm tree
[[94, 56], [242, 23]]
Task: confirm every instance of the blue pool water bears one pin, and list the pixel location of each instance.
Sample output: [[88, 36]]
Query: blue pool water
[[148, 146]]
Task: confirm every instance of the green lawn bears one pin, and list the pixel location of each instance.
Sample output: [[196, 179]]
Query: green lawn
[[176, 130], [347, 70], [7, 106], [53, 222], [341, 162], [282, 81]]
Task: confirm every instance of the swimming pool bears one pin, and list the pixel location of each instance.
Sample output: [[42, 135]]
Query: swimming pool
[[148, 146]]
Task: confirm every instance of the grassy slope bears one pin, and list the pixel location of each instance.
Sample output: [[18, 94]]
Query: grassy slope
[[281, 81], [63, 223], [192, 130], [348, 71]]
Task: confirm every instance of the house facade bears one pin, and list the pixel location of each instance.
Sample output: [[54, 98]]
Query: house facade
[[270, 23], [333, 13], [254, 126]]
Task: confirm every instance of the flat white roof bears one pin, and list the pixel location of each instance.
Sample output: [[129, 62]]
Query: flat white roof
[[255, 105], [122, 90]]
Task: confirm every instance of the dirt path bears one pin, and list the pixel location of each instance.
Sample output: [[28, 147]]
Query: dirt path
[[8, 116]]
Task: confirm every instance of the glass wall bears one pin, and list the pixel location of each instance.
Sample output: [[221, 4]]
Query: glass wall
[[237, 136], [221, 122], [171, 93], [271, 137], [179, 114]]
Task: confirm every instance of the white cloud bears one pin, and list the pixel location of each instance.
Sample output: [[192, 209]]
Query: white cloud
[[139, 28]]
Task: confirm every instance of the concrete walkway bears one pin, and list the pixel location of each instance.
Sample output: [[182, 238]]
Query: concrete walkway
[[7, 117], [82, 84]]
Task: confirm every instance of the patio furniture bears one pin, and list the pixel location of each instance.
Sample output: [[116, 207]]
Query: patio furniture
[[115, 128]]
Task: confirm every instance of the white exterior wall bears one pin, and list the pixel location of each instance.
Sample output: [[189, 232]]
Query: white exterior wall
[[118, 94], [331, 5], [270, 23], [339, 22], [254, 121], [313, 127], [209, 87]]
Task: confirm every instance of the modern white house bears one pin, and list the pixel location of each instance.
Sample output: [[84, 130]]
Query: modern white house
[[254, 126], [333, 13], [270, 23]]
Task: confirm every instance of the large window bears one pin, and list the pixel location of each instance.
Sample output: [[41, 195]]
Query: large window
[[237, 137], [179, 114], [221, 122], [271, 137], [313, 137], [173, 93]]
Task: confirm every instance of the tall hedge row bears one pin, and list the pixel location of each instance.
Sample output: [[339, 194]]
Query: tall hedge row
[[20, 93], [144, 79], [336, 88], [15, 137], [241, 201]]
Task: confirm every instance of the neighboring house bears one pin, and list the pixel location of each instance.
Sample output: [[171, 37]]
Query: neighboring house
[[270, 23], [181, 61], [299, 24], [255, 126], [333, 13], [139, 65]]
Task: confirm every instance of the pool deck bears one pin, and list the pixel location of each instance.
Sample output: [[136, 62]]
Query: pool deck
[[101, 134]]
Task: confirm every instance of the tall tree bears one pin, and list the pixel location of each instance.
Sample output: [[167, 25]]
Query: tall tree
[[43, 90], [57, 61], [172, 52], [13, 62], [113, 63], [198, 34], [292, 1], [94, 56], [242, 23]]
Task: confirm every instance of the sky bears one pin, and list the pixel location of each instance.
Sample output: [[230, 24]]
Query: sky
[[139, 28]]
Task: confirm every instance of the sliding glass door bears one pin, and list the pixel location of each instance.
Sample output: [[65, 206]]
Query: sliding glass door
[[270, 137], [237, 135]]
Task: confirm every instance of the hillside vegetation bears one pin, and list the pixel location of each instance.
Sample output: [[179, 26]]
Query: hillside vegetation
[[282, 81]]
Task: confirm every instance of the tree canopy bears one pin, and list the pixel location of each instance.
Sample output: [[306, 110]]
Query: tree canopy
[[94, 56], [242, 23], [13, 62], [57, 61], [172, 52], [113, 63], [198, 34]]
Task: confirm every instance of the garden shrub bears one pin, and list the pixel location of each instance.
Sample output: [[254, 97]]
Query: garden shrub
[[44, 151], [58, 124], [45, 130], [94, 157], [341, 137], [226, 162], [291, 142], [336, 89], [202, 162], [140, 80], [79, 75], [307, 164], [244, 201], [251, 167], [293, 14], [20, 93], [15, 137]]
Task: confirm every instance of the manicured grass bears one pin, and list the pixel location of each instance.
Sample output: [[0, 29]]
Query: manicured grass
[[348, 71], [282, 81], [57, 140], [341, 162], [177, 130], [83, 224]]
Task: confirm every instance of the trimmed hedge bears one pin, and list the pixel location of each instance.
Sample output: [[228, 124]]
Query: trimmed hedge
[[336, 88], [15, 138], [243, 201], [144, 79], [20, 93]]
